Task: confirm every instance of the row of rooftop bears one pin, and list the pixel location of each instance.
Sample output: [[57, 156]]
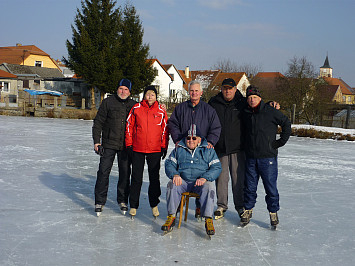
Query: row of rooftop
[[28, 67]]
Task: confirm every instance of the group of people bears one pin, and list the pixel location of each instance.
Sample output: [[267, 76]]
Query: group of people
[[231, 135]]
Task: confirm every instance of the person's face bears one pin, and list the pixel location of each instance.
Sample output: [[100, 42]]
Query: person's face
[[123, 92], [150, 96], [192, 142], [195, 93], [253, 100], [228, 92]]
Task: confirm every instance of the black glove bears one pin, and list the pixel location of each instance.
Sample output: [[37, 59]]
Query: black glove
[[163, 153], [100, 150], [276, 144], [129, 151]]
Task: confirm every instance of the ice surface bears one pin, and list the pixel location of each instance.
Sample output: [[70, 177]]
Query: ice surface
[[47, 176]]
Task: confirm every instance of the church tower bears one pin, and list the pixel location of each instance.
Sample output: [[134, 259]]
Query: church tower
[[326, 70]]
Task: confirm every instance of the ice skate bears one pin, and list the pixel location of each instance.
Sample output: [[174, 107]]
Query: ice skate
[[123, 208], [274, 220], [98, 209], [240, 212], [246, 216], [209, 227], [219, 213], [198, 214], [169, 224], [133, 212], [155, 212]]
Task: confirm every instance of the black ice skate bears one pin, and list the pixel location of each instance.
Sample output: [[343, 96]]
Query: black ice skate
[[246, 216], [123, 208], [98, 209], [274, 220], [219, 213]]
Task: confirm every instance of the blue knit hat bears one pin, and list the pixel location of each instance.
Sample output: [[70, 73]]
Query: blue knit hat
[[125, 82]]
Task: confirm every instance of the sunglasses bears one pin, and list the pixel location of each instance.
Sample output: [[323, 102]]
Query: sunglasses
[[189, 138]]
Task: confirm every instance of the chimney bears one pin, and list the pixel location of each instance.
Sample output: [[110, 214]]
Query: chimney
[[187, 72], [18, 44]]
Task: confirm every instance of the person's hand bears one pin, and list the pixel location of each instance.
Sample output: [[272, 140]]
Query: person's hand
[[177, 180], [129, 151], [96, 147], [276, 105], [99, 149], [163, 106], [200, 182], [210, 146], [163, 153]]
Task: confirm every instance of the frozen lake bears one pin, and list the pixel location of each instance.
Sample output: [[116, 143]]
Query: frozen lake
[[47, 177]]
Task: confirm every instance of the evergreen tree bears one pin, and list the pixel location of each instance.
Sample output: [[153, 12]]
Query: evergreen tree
[[134, 63], [107, 46], [94, 51]]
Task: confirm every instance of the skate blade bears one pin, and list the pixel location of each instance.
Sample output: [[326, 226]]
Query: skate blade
[[273, 227], [243, 224], [218, 217], [132, 217], [168, 231], [98, 214], [123, 212]]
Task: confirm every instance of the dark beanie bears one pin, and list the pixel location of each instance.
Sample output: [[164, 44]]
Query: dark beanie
[[194, 131], [150, 88], [252, 90], [125, 82]]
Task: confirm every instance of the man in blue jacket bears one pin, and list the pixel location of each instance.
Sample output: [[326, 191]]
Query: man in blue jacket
[[192, 167]]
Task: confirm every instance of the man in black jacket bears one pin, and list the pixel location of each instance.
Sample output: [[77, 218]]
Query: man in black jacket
[[229, 104], [261, 124], [108, 133]]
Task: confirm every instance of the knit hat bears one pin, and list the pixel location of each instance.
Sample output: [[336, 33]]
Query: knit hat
[[194, 131], [125, 82], [229, 82], [252, 90], [150, 88]]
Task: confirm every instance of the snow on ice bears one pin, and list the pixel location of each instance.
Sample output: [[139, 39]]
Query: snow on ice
[[47, 176]]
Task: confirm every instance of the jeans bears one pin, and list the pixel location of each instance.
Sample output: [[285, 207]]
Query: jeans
[[266, 168]]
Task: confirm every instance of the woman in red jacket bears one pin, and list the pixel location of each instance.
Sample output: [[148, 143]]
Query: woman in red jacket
[[146, 138]]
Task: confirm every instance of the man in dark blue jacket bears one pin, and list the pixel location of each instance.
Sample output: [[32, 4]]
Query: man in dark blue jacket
[[261, 123], [195, 111]]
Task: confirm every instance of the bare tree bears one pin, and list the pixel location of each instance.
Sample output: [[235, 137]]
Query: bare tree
[[227, 66]]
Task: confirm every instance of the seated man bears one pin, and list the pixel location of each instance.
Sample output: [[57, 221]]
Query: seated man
[[192, 167]]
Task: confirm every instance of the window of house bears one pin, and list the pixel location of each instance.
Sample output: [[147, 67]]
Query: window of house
[[26, 84], [4, 86], [155, 71], [172, 75], [344, 99], [38, 63], [349, 99], [37, 81]]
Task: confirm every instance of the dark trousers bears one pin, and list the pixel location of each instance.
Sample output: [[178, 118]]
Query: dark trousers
[[265, 168], [102, 181], [154, 192]]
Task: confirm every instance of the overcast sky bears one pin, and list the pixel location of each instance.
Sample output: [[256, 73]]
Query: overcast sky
[[198, 33]]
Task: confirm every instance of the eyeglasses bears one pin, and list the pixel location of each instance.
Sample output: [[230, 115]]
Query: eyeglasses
[[189, 138]]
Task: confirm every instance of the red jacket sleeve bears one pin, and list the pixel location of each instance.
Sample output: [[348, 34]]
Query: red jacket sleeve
[[130, 124], [165, 131]]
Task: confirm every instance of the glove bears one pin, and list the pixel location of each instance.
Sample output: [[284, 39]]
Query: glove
[[129, 151], [100, 150], [163, 153], [275, 144]]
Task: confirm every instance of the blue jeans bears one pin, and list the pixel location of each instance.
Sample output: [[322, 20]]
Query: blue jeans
[[266, 168], [207, 196]]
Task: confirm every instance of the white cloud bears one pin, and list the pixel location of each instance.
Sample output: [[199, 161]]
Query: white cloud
[[219, 4]]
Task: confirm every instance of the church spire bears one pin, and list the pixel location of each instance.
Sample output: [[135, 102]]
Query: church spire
[[326, 63], [326, 70]]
